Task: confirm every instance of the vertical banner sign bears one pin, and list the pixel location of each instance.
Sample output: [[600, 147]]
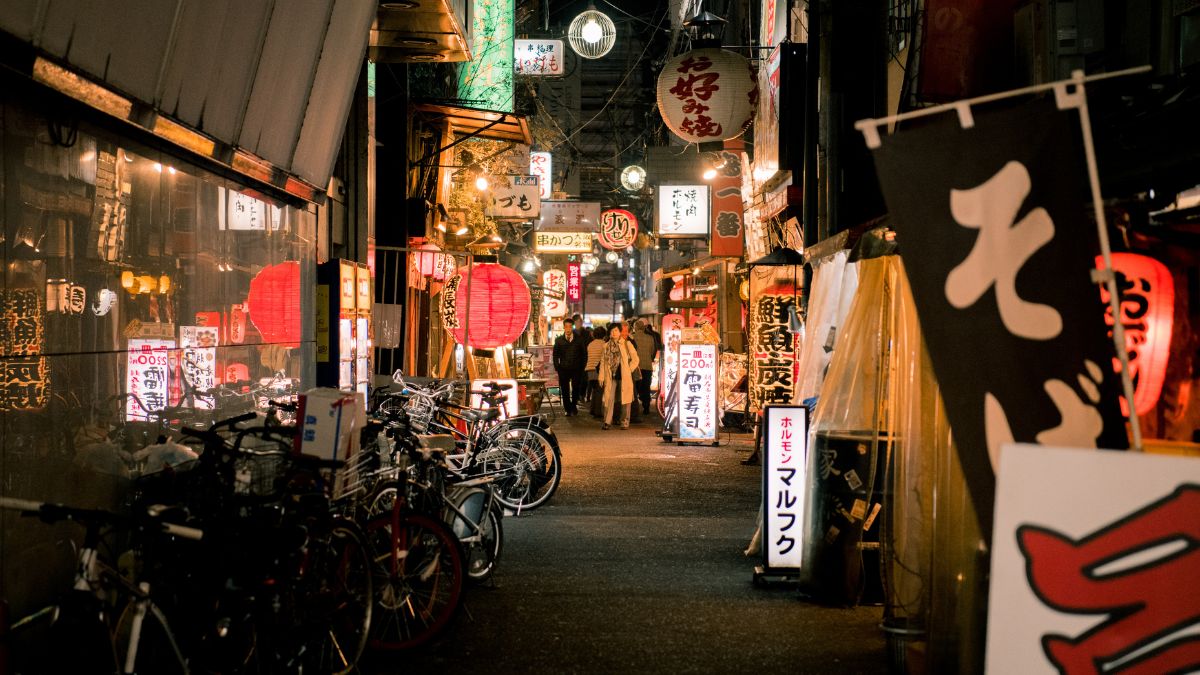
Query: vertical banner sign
[[682, 210], [541, 164], [772, 348], [554, 295], [199, 345], [785, 478], [1000, 256], [514, 197], [1094, 563], [24, 373], [486, 81], [538, 57], [698, 392], [727, 234], [618, 229], [574, 282], [672, 333], [147, 378]]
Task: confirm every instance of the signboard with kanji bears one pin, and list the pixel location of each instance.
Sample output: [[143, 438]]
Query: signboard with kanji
[[574, 282], [682, 210], [618, 229], [785, 476], [199, 361], [698, 392], [514, 197], [541, 164], [562, 242], [24, 373], [772, 349], [538, 57], [569, 216], [147, 378]]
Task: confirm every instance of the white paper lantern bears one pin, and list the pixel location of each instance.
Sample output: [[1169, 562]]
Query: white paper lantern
[[707, 94], [592, 34]]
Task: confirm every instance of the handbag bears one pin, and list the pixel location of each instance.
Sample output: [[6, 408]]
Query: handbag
[[637, 374]]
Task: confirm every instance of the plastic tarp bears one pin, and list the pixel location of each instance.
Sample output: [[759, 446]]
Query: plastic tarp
[[833, 285]]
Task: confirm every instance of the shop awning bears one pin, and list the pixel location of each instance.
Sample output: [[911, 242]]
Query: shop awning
[[488, 124]]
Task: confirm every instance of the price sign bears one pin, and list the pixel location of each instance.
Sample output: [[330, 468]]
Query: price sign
[[562, 242], [698, 392], [147, 377]]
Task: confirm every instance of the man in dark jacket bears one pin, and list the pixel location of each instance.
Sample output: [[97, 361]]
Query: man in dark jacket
[[569, 359], [584, 337]]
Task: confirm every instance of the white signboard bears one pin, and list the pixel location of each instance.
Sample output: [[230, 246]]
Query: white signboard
[[562, 242], [538, 57], [512, 405], [698, 392], [566, 216], [785, 460], [237, 211], [1095, 562], [554, 294], [541, 164], [682, 210], [672, 331], [147, 377], [199, 360], [514, 197]]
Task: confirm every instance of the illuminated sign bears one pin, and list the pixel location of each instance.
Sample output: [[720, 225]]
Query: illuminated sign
[[574, 282], [618, 229], [698, 392], [784, 480], [514, 197], [562, 242], [672, 331], [682, 210], [541, 164], [569, 216], [199, 362], [486, 81], [554, 299], [24, 373], [147, 377], [538, 57], [772, 348], [512, 406]]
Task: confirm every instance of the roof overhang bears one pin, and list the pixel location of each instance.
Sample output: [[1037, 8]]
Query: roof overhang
[[488, 124], [414, 31]]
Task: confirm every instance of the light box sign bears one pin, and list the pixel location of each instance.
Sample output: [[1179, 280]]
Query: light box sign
[[538, 57], [199, 361], [24, 372], [569, 216], [698, 392], [785, 462], [618, 229], [512, 405], [554, 300], [486, 81], [514, 197], [237, 211], [1094, 562], [147, 377], [682, 210], [574, 282], [562, 242], [541, 164]]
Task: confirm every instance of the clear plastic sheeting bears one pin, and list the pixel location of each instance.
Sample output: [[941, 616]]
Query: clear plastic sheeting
[[833, 285]]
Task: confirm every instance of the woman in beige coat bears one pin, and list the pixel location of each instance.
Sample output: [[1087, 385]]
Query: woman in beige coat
[[617, 364]]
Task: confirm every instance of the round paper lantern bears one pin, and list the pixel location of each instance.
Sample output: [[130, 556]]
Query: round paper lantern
[[618, 229], [274, 303], [707, 94], [554, 302], [1147, 315], [489, 300], [431, 263]]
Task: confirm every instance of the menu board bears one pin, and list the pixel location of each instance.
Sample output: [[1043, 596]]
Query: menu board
[[147, 375], [698, 392]]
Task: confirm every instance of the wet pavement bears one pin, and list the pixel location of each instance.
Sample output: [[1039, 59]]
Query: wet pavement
[[636, 565]]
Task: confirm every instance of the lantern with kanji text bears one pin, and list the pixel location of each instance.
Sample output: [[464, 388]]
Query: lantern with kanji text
[[1147, 314], [486, 306], [618, 229], [707, 94]]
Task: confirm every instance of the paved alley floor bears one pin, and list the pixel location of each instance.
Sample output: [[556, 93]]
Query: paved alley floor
[[636, 566]]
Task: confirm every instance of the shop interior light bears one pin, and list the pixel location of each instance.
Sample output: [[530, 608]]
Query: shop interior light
[[528, 265], [158, 167], [127, 280], [171, 170], [496, 238], [441, 226]]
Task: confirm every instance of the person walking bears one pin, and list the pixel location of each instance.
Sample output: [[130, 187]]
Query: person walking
[[568, 362], [591, 368], [583, 336], [647, 351], [617, 364]]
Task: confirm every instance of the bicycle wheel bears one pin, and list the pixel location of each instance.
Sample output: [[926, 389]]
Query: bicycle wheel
[[478, 529], [543, 469], [342, 602], [418, 570]]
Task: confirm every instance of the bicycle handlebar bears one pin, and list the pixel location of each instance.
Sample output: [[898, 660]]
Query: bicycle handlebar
[[53, 513]]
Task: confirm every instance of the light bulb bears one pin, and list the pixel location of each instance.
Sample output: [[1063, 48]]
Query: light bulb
[[158, 167], [528, 266], [592, 32], [481, 183], [441, 227], [710, 174], [461, 231]]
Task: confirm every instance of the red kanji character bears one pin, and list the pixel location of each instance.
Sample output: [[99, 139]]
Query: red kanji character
[[703, 125], [694, 63], [693, 106], [700, 86]]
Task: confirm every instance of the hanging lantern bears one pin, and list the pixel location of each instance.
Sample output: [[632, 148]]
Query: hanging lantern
[[1147, 315], [633, 178], [592, 34], [274, 303], [431, 263], [618, 229], [707, 94], [554, 299], [489, 300]]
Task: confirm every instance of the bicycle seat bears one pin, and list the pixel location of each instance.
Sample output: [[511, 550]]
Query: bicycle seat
[[497, 386], [486, 414]]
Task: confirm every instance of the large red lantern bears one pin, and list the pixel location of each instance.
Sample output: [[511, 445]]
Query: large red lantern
[[490, 301], [618, 229], [707, 94], [274, 302], [1147, 315]]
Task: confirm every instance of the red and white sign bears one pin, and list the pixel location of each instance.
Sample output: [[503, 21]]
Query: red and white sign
[[698, 392], [541, 164], [199, 360], [147, 377], [1147, 314], [538, 57], [707, 94], [574, 282], [785, 471], [618, 229], [1094, 562], [554, 295], [672, 332]]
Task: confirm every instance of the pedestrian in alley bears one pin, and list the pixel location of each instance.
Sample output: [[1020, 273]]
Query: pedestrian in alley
[[568, 363], [617, 364], [595, 350], [584, 336], [647, 351]]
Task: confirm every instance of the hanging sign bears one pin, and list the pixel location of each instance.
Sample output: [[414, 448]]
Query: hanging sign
[[538, 57], [1147, 314], [727, 211], [1094, 562], [772, 350], [569, 216], [785, 477], [541, 164], [199, 361], [707, 94], [682, 210], [618, 229], [562, 242], [147, 377], [24, 373], [698, 392], [999, 256], [554, 296], [514, 197], [574, 282]]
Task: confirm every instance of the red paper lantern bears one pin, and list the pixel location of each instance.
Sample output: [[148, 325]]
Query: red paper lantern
[[491, 301], [431, 263], [1147, 315], [707, 94], [618, 229], [274, 302]]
